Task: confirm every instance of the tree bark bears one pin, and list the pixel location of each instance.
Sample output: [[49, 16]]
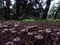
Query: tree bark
[[17, 9], [57, 12], [45, 12], [7, 17]]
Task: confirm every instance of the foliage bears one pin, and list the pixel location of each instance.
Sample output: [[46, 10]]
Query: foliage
[[28, 9]]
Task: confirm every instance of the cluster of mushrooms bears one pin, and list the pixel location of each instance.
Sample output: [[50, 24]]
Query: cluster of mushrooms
[[16, 33]]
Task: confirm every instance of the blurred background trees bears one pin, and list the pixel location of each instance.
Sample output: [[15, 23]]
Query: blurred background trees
[[29, 9], [54, 11]]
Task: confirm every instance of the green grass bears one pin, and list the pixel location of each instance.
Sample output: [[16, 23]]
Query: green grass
[[49, 20], [40, 20], [29, 20]]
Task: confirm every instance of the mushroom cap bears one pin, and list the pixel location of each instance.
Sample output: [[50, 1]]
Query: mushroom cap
[[30, 33], [9, 43], [58, 33], [39, 37], [16, 39], [48, 30]]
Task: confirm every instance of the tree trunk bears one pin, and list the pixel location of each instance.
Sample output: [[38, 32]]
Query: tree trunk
[[7, 17], [56, 12], [4, 12], [45, 12], [17, 9]]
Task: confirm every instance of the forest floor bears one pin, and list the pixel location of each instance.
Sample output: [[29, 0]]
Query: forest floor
[[30, 31]]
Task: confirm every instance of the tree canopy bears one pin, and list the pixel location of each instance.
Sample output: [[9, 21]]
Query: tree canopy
[[27, 9]]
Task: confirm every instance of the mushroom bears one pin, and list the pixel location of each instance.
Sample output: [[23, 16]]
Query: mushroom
[[39, 37], [9, 43], [48, 30], [16, 39], [30, 33]]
